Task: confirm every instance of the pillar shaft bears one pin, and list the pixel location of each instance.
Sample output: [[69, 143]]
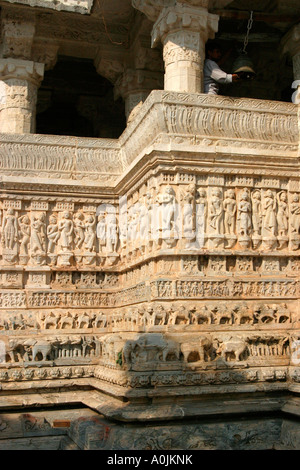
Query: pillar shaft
[[19, 82], [184, 31]]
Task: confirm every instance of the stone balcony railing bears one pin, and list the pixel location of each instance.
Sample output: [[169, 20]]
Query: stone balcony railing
[[75, 6], [216, 127]]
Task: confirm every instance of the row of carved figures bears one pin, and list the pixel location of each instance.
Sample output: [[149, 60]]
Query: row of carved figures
[[152, 347], [149, 316], [147, 348], [247, 217]]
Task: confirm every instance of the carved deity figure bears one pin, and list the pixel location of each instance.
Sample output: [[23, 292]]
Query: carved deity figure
[[230, 208], [66, 229], [79, 228], [90, 235], [52, 233], [38, 234], [282, 214], [101, 231], [216, 211], [244, 214], [295, 214], [9, 230], [24, 233], [256, 213]]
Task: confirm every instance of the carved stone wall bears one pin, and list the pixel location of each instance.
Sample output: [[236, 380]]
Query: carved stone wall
[[176, 272]]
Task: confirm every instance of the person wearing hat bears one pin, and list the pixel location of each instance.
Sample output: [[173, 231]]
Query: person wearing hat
[[213, 74]]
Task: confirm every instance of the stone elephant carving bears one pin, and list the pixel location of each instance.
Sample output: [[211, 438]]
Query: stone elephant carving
[[232, 348], [198, 349], [44, 348], [170, 349]]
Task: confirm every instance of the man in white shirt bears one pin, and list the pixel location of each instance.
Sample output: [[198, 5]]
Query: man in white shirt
[[213, 74]]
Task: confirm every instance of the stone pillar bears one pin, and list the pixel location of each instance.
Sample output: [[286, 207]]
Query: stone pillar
[[183, 30], [134, 86], [19, 82], [291, 44]]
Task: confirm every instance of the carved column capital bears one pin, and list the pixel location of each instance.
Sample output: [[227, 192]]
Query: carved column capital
[[152, 8], [183, 17], [134, 86], [109, 63], [46, 53], [16, 69]]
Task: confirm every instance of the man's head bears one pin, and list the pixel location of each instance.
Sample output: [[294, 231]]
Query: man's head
[[213, 51]]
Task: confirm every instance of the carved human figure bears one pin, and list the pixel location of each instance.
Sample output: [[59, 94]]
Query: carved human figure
[[167, 205], [79, 229], [295, 214], [145, 218], [201, 212], [112, 233], [38, 234], [282, 214], [52, 233], [24, 224], [230, 208], [9, 230], [189, 211], [244, 214], [216, 211], [101, 231], [269, 213], [256, 213], [66, 229], [90, 235]]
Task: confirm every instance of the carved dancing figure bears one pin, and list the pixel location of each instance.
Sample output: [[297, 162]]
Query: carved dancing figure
[[282, 214], [38, 234], [201, 213], [216, 211], [79, 228], [112, 233], [244, 214], [295, 214], [269, 213], [101, 231], [9, 230], [24, 224], [256, 213], [90, 236], [230, 208], [66, 228], [189, 211], [167, 202], [52, 233]]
